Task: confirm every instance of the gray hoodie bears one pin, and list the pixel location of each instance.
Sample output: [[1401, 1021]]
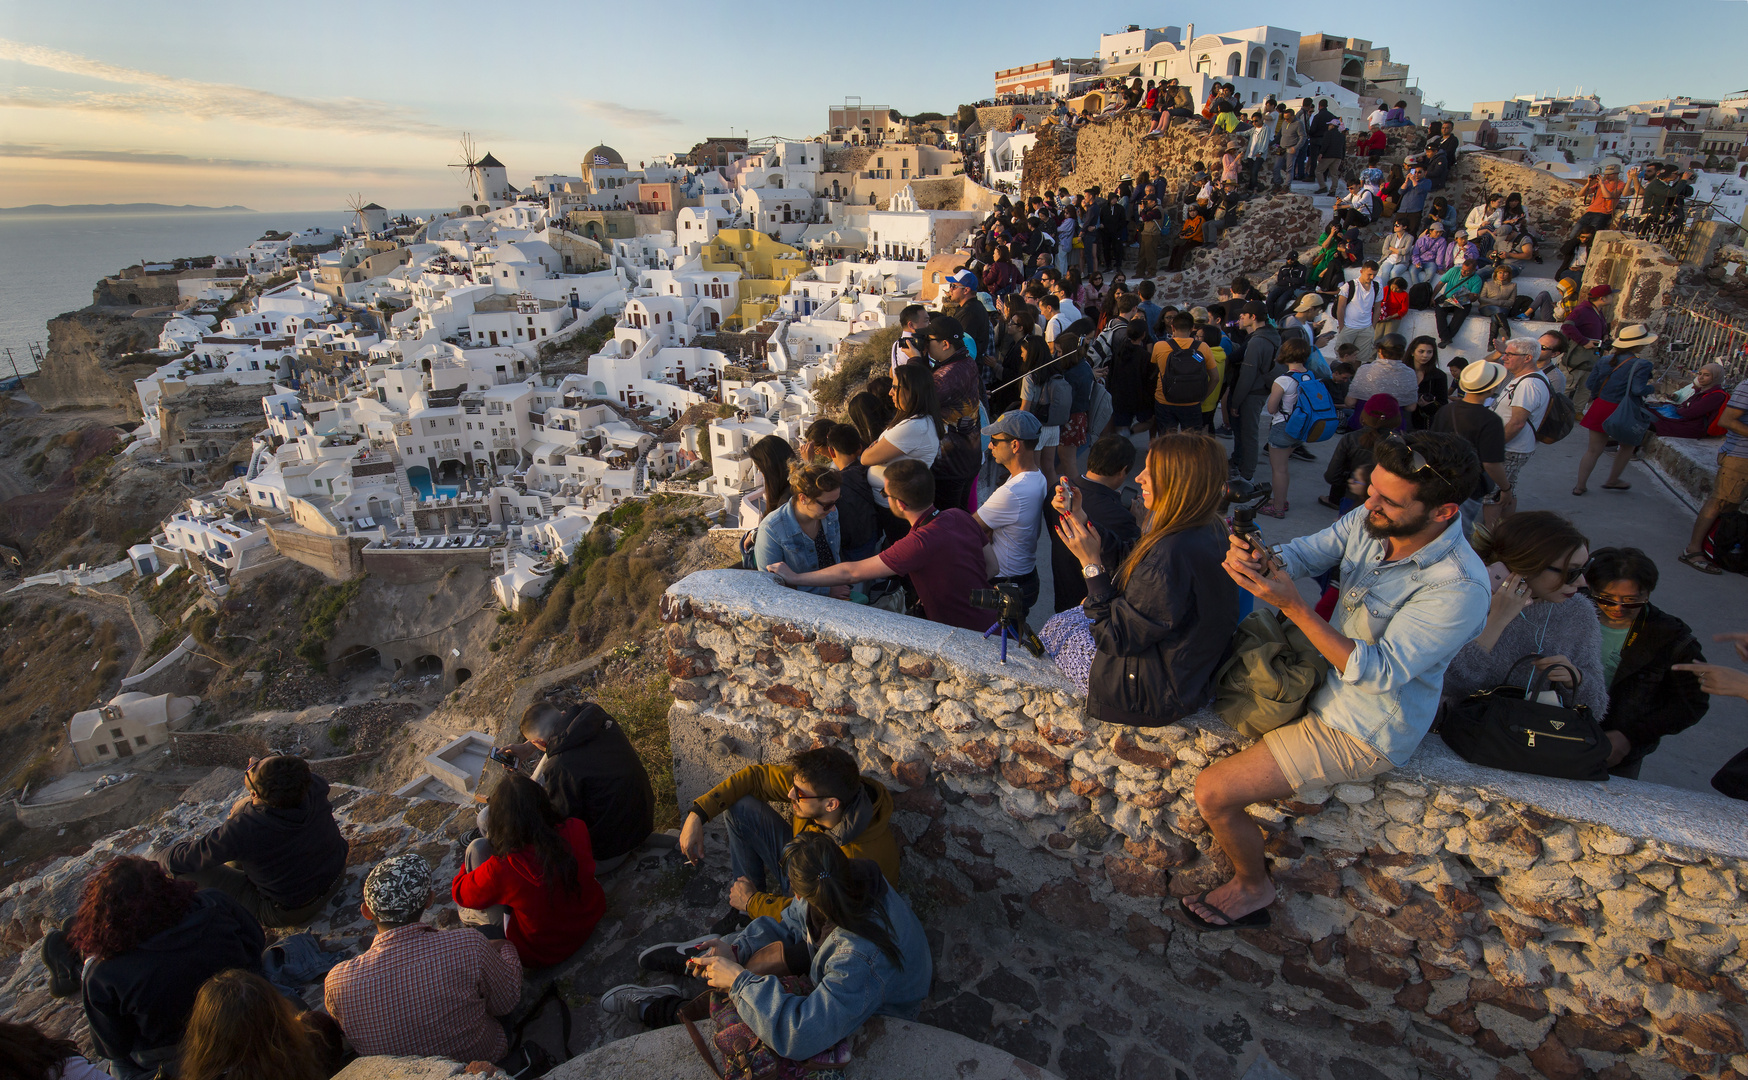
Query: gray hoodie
[[1257, 370]]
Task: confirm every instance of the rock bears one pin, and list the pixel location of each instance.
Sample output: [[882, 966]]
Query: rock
[[967, 1014], [1069, 903], [865, 655], [1085, 1055]]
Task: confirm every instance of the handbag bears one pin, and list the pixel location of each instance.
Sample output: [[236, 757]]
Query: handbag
[[745, 1056], [1269, 676], [1629, 422], [1510, 728]]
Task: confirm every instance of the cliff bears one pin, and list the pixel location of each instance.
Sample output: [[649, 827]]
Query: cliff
[[92, 361]]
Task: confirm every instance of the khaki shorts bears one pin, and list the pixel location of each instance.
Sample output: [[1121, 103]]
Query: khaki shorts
[[1312, 754], [1732, 485]]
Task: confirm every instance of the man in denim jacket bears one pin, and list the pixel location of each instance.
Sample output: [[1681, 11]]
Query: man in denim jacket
[[1413, 592]]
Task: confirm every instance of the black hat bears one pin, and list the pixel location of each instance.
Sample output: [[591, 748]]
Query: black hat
[[945, 328]]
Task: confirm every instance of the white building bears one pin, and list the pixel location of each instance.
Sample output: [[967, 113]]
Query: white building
[[130, 724]]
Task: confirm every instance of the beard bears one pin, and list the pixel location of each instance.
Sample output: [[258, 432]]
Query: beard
[[1394, 529]]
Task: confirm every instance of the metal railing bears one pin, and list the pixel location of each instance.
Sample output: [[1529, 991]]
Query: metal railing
[[1691, 336]]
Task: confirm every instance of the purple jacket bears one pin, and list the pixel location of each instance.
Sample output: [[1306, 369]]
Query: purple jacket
[[1431, 251]]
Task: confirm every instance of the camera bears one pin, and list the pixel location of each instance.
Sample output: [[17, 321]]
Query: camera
[[503, 757], [1009, 605], [1242, 498]]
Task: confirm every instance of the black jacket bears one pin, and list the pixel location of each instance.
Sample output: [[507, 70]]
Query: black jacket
[[974, 317], [1161, 638], [1646, 700], [290, 855], [591, 772], [139, 1001]]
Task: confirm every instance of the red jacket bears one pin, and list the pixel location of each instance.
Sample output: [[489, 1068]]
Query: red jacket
[[546, 925], [1395, 304]]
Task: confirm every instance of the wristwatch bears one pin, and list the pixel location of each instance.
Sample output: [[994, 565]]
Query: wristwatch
[[1091, 570]]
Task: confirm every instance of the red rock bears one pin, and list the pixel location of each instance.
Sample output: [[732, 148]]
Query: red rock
[[1360, 900], [1377, 1033], [1414, 996], [789, 635], [1460, 1018], [1142, 934], [1151, 800], [932, 841], [972, 839], [842, 710], [1088, 789], [1309, 875], [1036, 756], [832, 653], [1059, 841], [914, 774], [1426, 919], [1131, 877], [784, 694], [947, 892], [1683, 1056], [1069, 903], [687, 691], [688, 665], [1531, 1004], [832, 729], [1564, 912], [1376, 968], [973, 758], [1170, 851], [922, 800], [1301, 809], [1555, 1062], [1020, 776], [1515, 933], [1708, 1031], [1589, 1033], [922, 669], [1282, 844], [1244, 969], [1127, 749], [1457, 899], [1389, 889], [1394, 860], [984, 876], [1493, 1044]]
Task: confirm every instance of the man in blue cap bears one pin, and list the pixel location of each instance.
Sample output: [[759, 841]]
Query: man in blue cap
[[960, 291], [1014, 513]]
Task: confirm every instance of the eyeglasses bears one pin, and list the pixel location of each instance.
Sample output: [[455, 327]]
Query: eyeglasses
[[1416, 461], [1618, 605], [797, 795]]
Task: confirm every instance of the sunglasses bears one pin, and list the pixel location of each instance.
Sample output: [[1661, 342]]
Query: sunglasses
[[1569, 573], [1416, 461], [1617, 605]]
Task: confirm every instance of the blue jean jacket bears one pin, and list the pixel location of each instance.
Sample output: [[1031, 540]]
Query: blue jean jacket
[[781, 540], [1407, 620], [852, 980]]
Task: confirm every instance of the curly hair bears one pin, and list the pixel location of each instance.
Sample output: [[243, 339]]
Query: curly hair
[[241, 1028], [126, 901]]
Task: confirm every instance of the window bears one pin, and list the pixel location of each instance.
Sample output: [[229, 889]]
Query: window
[[115, 733], [102, 749], [721, 439]]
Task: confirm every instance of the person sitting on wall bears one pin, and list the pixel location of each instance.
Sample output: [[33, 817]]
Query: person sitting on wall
[[849, 930], [942, 553], [591, 772], [1414, 593], [1696, 406], [279, 854]]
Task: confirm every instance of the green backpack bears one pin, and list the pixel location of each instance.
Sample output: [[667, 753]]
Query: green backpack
[[1270, 675]]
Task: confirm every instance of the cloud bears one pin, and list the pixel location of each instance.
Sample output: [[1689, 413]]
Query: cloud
[[202, 100], [153, 157], [625, 115]]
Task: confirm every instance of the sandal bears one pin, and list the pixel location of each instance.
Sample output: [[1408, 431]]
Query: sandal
[[1272, 510], [1617, 487], [1256, 920], [1699, 562], [1324, 500], [1579, 491]]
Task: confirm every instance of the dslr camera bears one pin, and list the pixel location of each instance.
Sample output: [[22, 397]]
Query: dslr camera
[[1241, 499], [1009, 605]]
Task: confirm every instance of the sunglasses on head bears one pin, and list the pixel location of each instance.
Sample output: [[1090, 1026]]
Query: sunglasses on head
[[1417, 461]]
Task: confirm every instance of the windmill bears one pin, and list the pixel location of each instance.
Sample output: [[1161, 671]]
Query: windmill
[[355, 202], [471, 162]]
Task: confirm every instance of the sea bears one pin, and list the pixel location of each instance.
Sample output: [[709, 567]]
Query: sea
[[50, 261]]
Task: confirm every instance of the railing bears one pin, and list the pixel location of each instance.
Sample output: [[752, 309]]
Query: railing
[[1691, 336]]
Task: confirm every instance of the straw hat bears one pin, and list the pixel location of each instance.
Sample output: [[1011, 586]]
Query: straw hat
[[1633, 336], [1482, 377]]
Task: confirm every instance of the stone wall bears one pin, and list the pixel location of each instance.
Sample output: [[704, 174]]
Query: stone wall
[[336, 557], [78, 808], [1641, 273], [1551, 202], [1464, 921]]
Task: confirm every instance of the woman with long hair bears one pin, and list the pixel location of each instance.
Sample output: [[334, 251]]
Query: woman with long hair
[[243, 1029], [915, 430], [803, 533], [1536, 559], [538, 868], [771, 456], [870, 414], [849, 931], [1043, 386], [150, 942], [27, 1054], [1435, 385], [1162, 620]]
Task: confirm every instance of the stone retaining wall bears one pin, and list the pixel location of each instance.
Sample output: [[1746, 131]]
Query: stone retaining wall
[[1486, 923], [79, 807], [1640, 272]]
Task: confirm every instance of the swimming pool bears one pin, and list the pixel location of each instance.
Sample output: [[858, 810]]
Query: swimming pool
[[422, 485]]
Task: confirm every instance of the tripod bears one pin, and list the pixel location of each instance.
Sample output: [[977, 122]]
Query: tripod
[[1018, 631]]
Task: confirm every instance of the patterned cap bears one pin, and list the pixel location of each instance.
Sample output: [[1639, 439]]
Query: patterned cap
[[398, 888]]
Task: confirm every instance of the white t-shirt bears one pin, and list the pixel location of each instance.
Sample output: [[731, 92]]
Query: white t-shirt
[[1556, 377], [1360, 302], [1014, 512], [1289, 398], [914, 438], [1528, 393], [1378, 117]]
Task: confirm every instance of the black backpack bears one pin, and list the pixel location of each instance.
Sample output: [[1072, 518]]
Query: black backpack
[[1183, 379], [1559, 419], [1420, 296], [1727, 544]]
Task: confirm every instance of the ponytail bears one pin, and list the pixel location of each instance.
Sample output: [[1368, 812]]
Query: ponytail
[[846, 891]]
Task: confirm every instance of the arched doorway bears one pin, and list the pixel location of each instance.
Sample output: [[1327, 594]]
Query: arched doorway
[[427, 665], [356, 659], [449, 471], [462, 675]]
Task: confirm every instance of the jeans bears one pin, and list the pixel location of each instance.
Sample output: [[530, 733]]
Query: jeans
[[1029, 588], [1393, 268], [1419, 272], [226, 878], [1247, 435], [1169, 418], [1278, 171], [1303, 161], [757, 836]]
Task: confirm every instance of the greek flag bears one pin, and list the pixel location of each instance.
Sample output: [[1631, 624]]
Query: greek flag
[[600, 159]]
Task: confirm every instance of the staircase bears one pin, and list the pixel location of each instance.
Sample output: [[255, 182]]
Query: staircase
[[404, 485]]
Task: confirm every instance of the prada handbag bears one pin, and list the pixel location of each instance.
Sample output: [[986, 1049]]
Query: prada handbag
[[1509, 727]]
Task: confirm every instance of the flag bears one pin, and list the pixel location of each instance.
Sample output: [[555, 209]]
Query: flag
[[600, 159]]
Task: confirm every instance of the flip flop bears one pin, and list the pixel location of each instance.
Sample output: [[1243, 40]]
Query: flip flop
[[1256, 920], [1617, 487], [1699, 562]]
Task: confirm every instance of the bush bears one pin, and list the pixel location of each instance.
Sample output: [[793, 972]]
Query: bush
[[324, 609], [856, 369]]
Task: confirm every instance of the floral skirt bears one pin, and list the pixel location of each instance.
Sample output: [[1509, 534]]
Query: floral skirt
[[1067, 637]]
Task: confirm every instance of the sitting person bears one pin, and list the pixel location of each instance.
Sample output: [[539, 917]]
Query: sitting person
[[1692, 415], [825, 793], [242, 1028], [27, 1054], [1162, 620], [849, 930], [942, 553], [1648, 697], [591, 772], [532, 872], [419, 991], [279, 854], [1455, 293], [1413, 593], [149, 943], [1536, 560], [803, 532]]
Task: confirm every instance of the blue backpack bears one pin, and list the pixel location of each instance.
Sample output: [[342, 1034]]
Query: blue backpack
[[1313, 418]]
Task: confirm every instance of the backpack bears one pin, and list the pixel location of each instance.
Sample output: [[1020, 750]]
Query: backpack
[[1727, 544], [1420, 296], [1183, 379], [1313, 418], [1559, 419], [1104, 348], [1352, 287], [1056, 398]]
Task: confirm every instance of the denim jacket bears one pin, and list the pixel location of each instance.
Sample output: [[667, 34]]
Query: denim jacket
[[1407, 620], [852, 980], [781, 540]]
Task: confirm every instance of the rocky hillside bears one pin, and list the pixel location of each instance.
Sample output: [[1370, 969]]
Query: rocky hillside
[[94, 356]]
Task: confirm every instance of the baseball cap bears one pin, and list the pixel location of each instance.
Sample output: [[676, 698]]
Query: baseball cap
[[1382, 405], [944, 328], [1308, 302], [963, 277], [1016, 422], [1482, 377], [397, 888]]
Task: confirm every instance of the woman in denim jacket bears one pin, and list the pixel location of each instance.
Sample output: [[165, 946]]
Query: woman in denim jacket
[[803, 532]]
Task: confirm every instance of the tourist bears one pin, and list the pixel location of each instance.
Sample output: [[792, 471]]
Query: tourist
[[1499, 295], [871, 413], [1430, 255], [1282, 400], [1100, 500], [1331, 152], [1379, 417], [279, 853], [1731, 484], [771, 455], [959, 291], [1574, 254], [1072, 358], [591, 772], [1386, 374], [1556, 359], [242, 1028], [1357, 208], [1414, 593], [1648, 697], [1600, 196], [1412, 203], [1162, 620], [824, 792], [1045, 392], [958, 395], [859, 525], [1014, 512], [1697, 404], [1469, 418], [28, 1054], [1216, 341], [1355, 304], [1184, 370], [942, 553], [1249, 388], [1623, 375], [813, 442], [803, 532], [849, 929], [1454, 294], [419, 991], [913, 433], [149, 942], [1521, 405], [1585, 324], [532, 874], [1435, 385]]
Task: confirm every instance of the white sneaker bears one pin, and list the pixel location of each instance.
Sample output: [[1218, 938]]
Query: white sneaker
[[474, 916], [628, 999]]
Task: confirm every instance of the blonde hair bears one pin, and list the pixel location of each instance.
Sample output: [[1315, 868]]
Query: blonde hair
[[241, 1028], [812, 481], [1187, 471]]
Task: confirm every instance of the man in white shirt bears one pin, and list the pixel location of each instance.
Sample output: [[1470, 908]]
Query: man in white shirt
[[1354, 304], [1521, 404], [1379, 115], [907, 348], [1014, 512]]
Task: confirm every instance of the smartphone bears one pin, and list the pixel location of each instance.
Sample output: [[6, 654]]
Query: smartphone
[[1496, 575]]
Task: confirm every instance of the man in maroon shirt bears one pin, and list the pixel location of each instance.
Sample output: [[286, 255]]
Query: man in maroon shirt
[[942, 553]]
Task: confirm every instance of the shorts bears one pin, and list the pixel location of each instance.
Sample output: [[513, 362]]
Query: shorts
[[1049, 435], [1312, 754], [1514, 463], [1732, 484], [1278, 437], [1074, 432], [1172, 417]]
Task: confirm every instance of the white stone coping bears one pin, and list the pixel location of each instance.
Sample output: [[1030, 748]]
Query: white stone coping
[[1705, 822]]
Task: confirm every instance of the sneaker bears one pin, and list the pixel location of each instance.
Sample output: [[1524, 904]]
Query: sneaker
[[1303, 454], [629, 999], [728, 924], [670, 957]]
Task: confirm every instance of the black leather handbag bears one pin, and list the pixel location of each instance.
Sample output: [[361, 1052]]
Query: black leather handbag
[[1507, 728]]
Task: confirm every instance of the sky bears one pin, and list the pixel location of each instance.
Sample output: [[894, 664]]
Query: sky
[[298, 106]]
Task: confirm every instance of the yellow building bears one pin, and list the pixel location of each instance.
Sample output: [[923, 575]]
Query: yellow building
[[766, 266]]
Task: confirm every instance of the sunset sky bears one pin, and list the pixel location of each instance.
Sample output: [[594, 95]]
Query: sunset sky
[[295, 106]]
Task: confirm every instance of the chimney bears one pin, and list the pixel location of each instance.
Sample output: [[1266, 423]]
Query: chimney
[[1189, 34]]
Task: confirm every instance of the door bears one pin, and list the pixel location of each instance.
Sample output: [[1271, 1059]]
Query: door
[[122, 749]]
